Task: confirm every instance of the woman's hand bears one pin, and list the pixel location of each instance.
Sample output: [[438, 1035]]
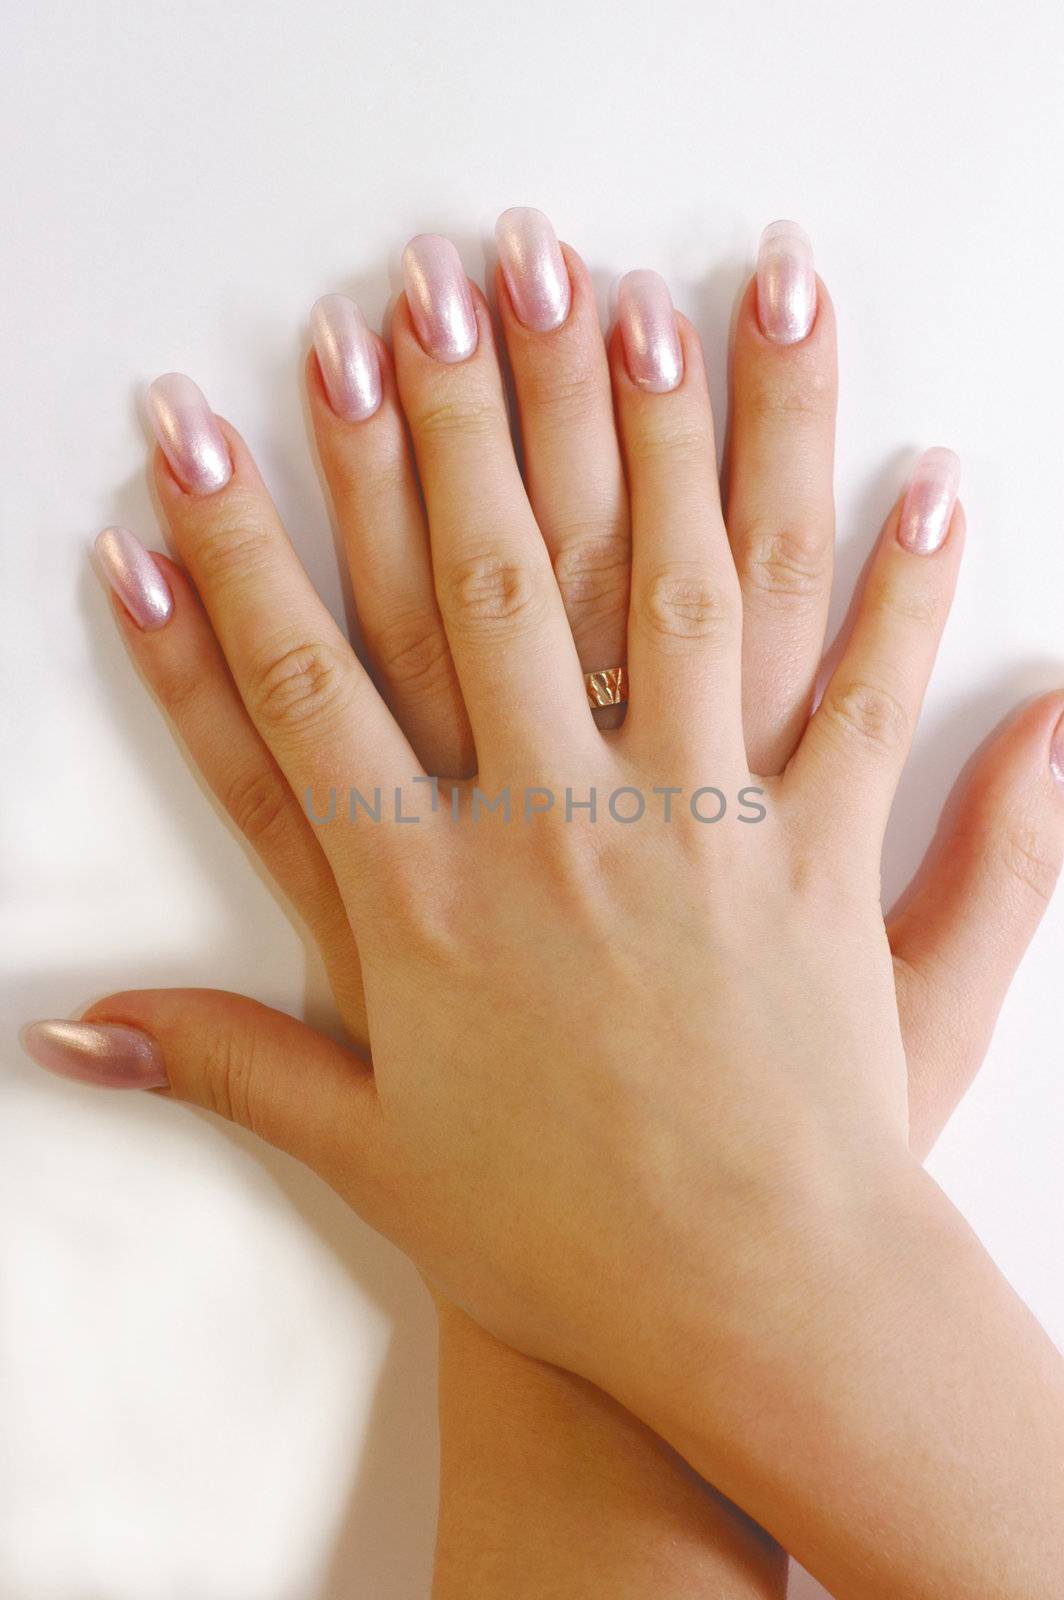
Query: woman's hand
[[592, 1077]]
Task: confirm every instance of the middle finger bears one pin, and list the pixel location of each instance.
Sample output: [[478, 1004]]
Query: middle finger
[[572, 460]]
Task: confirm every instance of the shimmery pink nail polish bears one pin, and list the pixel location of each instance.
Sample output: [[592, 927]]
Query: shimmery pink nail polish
[[440, 302], [927, 509], [534, 268], [136, 578], [188, 434], [649, 336], [347, 356], [1056, 753], [786, 283], [103, 1053]]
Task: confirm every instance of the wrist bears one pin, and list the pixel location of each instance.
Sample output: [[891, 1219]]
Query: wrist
[[864, 1426], [750, 1331]]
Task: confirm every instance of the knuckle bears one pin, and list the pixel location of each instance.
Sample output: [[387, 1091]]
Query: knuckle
[[564, 393], [921, 605], [258, 802], [792, 396], [592, 571], [296, 687], [784, 567], [686, 603], [368, 477], [489, 593], [410, 650], [459, 417], [1025, 859], [232, 542], [229, 1075], [864, 713], [180, 689], [669, 439]]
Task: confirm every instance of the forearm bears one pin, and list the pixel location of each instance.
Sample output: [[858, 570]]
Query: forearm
[[546, 1480], [548, 1487], [895, 1416]]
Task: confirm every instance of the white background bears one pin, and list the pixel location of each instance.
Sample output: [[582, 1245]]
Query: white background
[[214, 1383]]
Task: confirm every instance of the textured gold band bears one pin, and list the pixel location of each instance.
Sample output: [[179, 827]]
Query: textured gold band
[[608, 687]]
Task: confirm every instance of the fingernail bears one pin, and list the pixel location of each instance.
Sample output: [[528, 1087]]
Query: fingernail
[[440, 302], [786, 283], [534, 268], [188, 434], [649, 336], [927, 509], [103, 1053], [1056, 753], [136, 578], [347, 356]]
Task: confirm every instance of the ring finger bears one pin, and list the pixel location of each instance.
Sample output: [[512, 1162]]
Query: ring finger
[[572, 461], [365, 455]]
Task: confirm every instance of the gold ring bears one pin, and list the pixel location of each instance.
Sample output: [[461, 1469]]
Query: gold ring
[[608, 687]]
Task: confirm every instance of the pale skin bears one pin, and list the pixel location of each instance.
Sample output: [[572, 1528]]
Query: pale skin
[[723, 1164]]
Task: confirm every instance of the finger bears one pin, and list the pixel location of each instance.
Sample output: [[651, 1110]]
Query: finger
[[171, 640], [511, 643], [250, 1064], [365, 455], [572, 460], [684, 621], [780, 505], [309, 697], [976, 904], [846, 769]]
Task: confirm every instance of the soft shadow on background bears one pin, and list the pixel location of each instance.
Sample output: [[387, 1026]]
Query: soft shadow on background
[[381, 1544]]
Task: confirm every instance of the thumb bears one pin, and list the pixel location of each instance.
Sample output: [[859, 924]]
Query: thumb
[[974, 909], [226, 1053]]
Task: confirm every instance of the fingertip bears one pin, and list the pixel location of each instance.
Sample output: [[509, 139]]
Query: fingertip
[[181, 504], [817, 348], [650, 339], [1056, 752], [785, 284], [1039, 726], [347, 358], [108, 1055], [689, 360], [440, 300], [136, 579], [579, 274], [926, 515], [1021, 759], [534, 269], [187, 431]]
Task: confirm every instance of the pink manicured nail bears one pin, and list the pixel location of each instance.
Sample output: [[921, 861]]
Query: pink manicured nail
[[927, 509], [440, 302], [534, 268], [347, 356], [786, 283], [136, 578], [188, 434], [1056, 753], [104, 1053], [651, 342]]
